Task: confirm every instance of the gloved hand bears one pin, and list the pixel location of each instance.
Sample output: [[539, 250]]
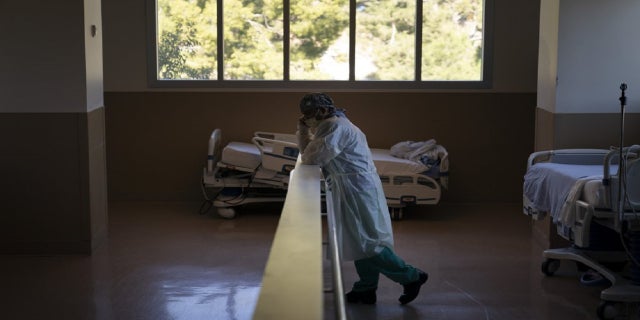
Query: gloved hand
[[302, 126], [303, 134]]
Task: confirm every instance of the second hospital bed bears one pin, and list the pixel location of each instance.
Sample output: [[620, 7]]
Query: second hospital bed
[[596, 207], [240, 173]]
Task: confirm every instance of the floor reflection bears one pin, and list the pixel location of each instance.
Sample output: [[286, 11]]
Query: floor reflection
[[164, 261], [186, 300]]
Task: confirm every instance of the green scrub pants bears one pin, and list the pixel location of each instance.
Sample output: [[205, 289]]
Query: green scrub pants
[[387, 263]]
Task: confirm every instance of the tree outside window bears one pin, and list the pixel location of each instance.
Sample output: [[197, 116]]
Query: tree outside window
[[391, 41]]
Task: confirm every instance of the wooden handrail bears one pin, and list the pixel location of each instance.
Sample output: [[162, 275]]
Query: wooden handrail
[[292, 285]]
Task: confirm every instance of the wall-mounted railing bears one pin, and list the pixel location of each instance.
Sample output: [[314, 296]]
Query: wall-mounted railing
[[292, 285]]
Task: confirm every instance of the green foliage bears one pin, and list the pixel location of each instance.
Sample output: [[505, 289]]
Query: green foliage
[[315, 27], [253, 45], [451, 40], [254, 39], [386, 36], [187, 39]]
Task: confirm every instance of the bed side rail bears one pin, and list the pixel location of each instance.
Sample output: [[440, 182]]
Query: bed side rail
[[628, 153], [568, 156], [213, 151], [632, 184], [277, 155], [266, 143], [409, 178], [287, 137], [630, 194]]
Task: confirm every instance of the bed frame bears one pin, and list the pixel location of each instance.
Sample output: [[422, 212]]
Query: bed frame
[[622, 216], [267, 180]]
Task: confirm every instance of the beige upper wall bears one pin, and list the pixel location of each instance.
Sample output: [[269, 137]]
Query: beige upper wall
[[548, 54], [515, 46], [93, 54], [586, 51], [42, 56], [597, 51]]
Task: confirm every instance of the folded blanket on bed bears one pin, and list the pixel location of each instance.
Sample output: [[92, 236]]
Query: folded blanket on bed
[[426, 152], [547, 185], [567, 213], [554, 187]]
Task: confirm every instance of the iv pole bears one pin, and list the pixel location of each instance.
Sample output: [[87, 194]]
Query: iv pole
[[621, 166]]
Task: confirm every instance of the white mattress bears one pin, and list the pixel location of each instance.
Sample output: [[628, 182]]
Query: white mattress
[[386, 163], [241, 154]]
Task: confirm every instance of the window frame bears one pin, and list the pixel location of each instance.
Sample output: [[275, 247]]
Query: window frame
[[336, 85]]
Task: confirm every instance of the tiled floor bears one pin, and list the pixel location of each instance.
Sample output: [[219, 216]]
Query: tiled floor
[[165, 261]]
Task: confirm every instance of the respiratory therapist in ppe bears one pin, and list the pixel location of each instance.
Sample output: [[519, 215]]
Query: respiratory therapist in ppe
[[328, 139]]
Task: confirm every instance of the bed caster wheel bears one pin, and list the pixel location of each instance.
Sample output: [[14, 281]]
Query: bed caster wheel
[[608, 310], [396, 213], [550, 266], [227, 213]]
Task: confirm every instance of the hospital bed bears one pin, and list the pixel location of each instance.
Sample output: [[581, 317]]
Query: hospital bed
[[241, 173], [409, 183], [595, 206]]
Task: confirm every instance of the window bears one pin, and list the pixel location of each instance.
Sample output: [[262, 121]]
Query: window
[[394, 44]]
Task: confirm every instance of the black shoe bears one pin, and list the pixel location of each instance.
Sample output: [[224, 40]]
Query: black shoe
[[366, 297], [412, 289]]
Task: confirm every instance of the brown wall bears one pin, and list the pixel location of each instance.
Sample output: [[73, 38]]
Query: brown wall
[[53, 186], [157, 142], [589, 130]]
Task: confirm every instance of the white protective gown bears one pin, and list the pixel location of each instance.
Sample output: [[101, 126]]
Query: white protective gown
[[362, 216]]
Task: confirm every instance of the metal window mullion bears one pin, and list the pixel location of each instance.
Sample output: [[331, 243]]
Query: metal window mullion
[[286, 8], [418, 49], [152, 43], [220, 39], [352, 40]]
